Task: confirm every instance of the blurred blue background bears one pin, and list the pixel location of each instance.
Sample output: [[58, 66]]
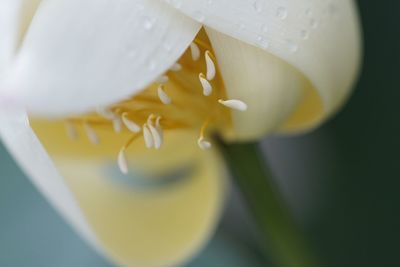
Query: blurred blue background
[[342, 181]]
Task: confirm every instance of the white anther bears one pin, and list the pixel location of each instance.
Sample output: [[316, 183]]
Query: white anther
[[210, 66], [117, 124], [148, 138], [132, 126], [207, 88], [159, 128], [105, 113], [195, 51], [122, 163], [150, 119], [157, 141], [71, 130], [91, 134], [163, 79], [176, 67], [203, 144], [234, 104], [163, 95]]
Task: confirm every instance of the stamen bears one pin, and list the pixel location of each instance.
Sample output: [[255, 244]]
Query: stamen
[[203, 144], [105, 113], [159, 129], [71, 130], [117, 124], [176, 67], [91, 134], [157, 141], [163, 96], [195, 51], [122, 163], [162, 79], [132, 126], [207, 88], [210, 66], [234, 104], [148, 138]]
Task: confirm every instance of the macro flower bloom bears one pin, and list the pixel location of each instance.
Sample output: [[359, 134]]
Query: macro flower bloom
[[140, 86]]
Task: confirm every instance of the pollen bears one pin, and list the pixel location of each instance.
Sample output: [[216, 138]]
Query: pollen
[[190, 95]]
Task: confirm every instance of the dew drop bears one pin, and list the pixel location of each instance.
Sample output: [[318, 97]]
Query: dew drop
[[148, 23], [308, 12], [258, 6], [281, 13], [131, 53], [264, 28], [152, 65], [241, 26], [176, 3], [199, 16], [262, 42], [304, 34], [313, 23], [293, 47]]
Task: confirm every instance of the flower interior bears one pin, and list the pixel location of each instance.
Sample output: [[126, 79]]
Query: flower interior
[[190, 95]]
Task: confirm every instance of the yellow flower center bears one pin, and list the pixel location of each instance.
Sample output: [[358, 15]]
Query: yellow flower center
[[190, 95]]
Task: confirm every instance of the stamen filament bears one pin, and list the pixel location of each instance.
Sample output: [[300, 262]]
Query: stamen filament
[[210, 65], [91, 134], [207, 88], [122, 162], [195, 51], [165, 99], [71, 130], [132, 126], [176, 67], [148, 137]]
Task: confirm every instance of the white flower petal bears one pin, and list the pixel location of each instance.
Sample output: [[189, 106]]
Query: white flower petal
[[78, 55], [15, 15], [23, 144], [269, 88], [319, 38]]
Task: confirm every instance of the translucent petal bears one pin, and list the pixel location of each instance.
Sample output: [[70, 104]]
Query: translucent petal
[[78, 55], [161, 212], [15, 16], [27, 150]]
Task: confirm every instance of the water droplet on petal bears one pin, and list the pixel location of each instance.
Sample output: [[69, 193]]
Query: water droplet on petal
[[293, 47], [264, 28], [313, 23], [199, 16], [304, 34], [148, 23], [281, 13], [258, 6], [262, 42]]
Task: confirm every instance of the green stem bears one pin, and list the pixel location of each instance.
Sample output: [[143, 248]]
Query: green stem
[[277, 230]]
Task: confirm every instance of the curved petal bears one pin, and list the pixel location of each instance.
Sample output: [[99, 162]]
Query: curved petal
[[271, 88], [81, 54], [319, 38], [15, 16], [137, 220], [22, 143]]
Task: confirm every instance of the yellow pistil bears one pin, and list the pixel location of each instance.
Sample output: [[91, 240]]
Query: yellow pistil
[[181, 98]]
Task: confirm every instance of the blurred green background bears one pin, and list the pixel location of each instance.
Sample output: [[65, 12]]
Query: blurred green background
[[342, 180]]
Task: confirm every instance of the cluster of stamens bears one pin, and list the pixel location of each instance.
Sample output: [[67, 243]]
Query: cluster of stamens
[[151, 112]]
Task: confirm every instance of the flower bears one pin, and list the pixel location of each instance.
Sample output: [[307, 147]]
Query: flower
[[161, 75]]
